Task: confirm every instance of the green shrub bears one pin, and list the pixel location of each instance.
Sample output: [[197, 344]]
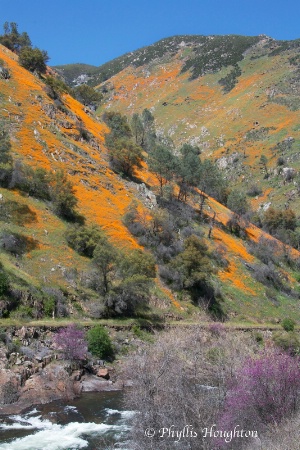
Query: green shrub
[[36, 182], [62, 194], [142, 333], [215, 354], [254, 190], [288, 342], [130, 297], [87, 95], [5, 157], [238, 202], [84, 239], [49, 306], [22, 313], [99, 342], [33, 59], [230, 80], [54, 300], [125, 155], [258, 337], [4, 284], [138, 262], [137, 331], [288, 324], [55, 87], [3, 335]]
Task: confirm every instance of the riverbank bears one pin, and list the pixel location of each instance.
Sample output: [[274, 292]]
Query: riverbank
[[32, 371]]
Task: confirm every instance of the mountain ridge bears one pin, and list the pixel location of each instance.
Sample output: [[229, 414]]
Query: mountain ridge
[[96, 74], [140, 56]]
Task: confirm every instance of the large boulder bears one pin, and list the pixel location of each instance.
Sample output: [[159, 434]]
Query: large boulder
[[9, 387], [92, 383], [288, 173], [51, 383], [103, 373]]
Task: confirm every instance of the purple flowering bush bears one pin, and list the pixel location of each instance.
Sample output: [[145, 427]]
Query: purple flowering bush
[[265, 391], [71, 341]]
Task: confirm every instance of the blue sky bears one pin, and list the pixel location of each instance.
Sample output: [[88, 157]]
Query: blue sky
[[96, 31]]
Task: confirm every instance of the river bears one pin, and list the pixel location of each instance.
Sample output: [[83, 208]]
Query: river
[[95, 421]]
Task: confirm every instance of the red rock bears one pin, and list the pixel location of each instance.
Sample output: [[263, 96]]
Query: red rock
[[103, 373]]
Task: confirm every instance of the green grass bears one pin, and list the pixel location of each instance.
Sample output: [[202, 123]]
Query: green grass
[[130, 323]]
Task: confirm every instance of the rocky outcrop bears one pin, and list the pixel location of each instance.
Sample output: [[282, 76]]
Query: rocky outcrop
[[48, 384], [91, 383], [9, 387], [148, 197], [36, 373]]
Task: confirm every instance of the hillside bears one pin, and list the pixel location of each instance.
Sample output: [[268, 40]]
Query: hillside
[[235, 97], [63, 134]]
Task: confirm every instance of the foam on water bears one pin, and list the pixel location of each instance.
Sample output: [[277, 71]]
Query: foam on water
[[123, 414], [69, 408], [52, 436], [127, 414], [110, 411], [34, 411], [27, 422]]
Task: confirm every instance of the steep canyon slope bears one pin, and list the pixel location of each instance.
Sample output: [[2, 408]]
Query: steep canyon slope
[[235, 97], [253, 111]]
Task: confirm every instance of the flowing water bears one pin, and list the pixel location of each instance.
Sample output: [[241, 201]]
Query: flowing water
[[95, 421]]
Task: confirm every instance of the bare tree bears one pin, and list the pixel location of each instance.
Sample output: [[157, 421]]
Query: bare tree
[[179, 386]]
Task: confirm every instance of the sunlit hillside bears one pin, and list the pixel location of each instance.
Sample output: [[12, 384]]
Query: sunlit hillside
[[64, 134], [235, 111]]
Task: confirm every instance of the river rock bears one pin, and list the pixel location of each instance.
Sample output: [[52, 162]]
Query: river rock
[[92, 383], [22, 333], [51, 383], [103, 373], [9, 387]]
